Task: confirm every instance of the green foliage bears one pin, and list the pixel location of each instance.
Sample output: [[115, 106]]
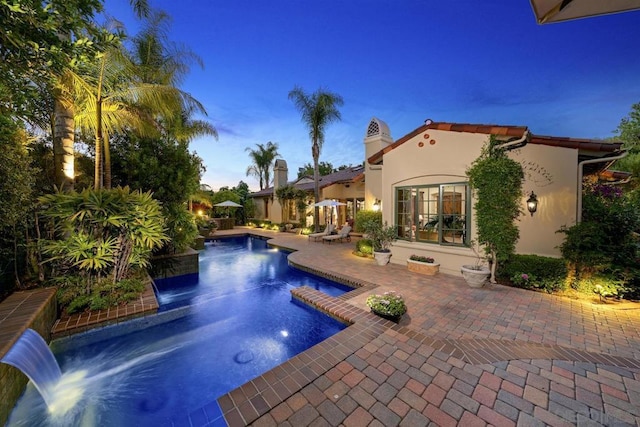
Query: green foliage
[[535, 272], [262, 159], [364, 248], [324, 168], [16, 193], [421, 258], [364, 216], [74, 295], [382, 236], [388, 304], [180, 226], [603, 247], [33, 47], [497, 183], [166, 169], [628, 130], [97, 233]]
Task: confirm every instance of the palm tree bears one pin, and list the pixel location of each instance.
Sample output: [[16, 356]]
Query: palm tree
[[63, 121], [318, 110], [137, 91], [262, 158]]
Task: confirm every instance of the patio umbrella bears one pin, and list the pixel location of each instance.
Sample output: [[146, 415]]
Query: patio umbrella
[[548, 11], [329, 203], [227, 204]]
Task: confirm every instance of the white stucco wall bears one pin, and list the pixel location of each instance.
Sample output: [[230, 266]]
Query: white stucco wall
[[552, 174], [442, 158]]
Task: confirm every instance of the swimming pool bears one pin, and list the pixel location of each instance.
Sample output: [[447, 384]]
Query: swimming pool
[[233, 323]]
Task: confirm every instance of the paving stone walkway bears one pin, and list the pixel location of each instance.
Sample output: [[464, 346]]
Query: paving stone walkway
[[460, 356]]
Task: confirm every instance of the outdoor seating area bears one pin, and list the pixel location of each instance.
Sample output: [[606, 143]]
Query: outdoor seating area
[[318, 236], [343, 235]]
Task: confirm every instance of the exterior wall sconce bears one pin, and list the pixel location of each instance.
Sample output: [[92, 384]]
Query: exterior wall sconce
[[532, 203], [376, 206]]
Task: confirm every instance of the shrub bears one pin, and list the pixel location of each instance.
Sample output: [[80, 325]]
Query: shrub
[[74, 295], [364, 248], [363, 217], [421, 258], [535, 272], [388, 304], [603, 248]]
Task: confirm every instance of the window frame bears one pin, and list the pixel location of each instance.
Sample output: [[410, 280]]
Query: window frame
[[414, 212]]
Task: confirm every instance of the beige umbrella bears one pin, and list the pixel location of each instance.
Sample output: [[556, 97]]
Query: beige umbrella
[[548, 11]]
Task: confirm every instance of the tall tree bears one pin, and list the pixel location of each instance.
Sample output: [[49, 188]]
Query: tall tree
[[262, 158], [325, 168], [63, 93], [628, 132], [318, 110]]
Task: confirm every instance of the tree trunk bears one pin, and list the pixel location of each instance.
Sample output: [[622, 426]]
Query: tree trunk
[[107, 162], [315, 152], [63, 139], [121, 258], [97, 181]]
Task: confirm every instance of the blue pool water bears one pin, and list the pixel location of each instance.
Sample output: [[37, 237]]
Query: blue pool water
[[233, 323]]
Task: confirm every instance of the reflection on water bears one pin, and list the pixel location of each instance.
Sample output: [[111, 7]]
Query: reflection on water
[[234, 330]]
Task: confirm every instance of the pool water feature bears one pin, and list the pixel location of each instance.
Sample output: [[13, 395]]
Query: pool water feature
[[237, 322]]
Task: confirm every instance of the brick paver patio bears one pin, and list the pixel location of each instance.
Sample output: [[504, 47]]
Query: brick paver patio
[[460, 356]]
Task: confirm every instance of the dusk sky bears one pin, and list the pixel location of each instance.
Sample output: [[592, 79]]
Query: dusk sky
[[402, 61]]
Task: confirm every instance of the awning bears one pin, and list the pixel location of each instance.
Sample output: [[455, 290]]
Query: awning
[[548, 11]]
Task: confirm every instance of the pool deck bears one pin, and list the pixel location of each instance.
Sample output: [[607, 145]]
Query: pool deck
[[460, 356]]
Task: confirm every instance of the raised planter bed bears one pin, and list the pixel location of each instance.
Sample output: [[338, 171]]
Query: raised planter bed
[[427, 268]]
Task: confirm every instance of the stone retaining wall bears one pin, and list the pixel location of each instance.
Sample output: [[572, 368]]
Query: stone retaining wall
[[29, 309], [180, 264]]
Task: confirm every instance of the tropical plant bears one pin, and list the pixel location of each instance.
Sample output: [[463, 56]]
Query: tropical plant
[[262, 158], [99, 233], [497, 183], [318, 110], [388, 304]]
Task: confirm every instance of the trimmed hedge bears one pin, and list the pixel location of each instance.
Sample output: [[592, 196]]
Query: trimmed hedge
[[535, 272], [364, 216]]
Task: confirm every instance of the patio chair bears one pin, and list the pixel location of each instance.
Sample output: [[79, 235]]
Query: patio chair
[[327, 231], [342, 235]]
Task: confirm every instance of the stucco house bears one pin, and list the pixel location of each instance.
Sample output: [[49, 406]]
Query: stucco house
[[419, 181], [344, 186]]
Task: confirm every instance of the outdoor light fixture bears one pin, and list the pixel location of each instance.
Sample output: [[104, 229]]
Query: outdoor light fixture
[[532, 203], [376, 205]]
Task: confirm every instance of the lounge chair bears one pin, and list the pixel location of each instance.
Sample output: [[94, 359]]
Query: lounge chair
[[327, 231], [342, 235]]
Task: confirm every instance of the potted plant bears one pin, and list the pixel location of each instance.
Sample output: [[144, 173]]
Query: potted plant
[[382, 237], [476, 275], [423, 265], [389, 305]]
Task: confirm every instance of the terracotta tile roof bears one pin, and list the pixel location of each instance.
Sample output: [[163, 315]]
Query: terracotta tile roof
[[348, 175], [515, 131], [588, 145], [580, 144]]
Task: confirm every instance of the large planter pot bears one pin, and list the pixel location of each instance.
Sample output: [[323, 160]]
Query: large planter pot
[[382, 258], [427, 268], [475, 277]]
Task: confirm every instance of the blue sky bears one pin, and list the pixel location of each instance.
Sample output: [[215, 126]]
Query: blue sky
[[402, 61]]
